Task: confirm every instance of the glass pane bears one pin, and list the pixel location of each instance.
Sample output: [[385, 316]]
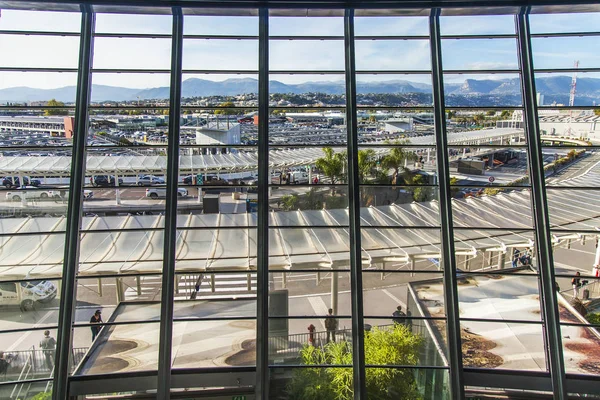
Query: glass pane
[[573, 209], [556, 88], [492, 90], [57, 52], [308, 248], [477, 25], [306, 341], [294, 55], [129, 23], [220, 25], [217, 54], [119, 53], [117, 348], [391, 26], [507, 345], [399, 249], [303, 26], [394, 90], [485, 207], [502, 297], [231, 343], [40, 21], [395, 287], [289, 127], [379, 55], [580, 49], [307, 199], [572, 22], [486, 54]]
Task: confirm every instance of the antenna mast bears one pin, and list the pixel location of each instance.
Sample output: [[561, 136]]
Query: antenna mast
[[572, 97]]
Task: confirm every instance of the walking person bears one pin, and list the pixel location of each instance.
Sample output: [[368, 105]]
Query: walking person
[[331, 324], [399, 317], [576, 283], [48, 344], [516, 256], [96, 319]]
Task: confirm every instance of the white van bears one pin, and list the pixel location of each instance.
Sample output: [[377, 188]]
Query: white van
[[26, 294], [298, 177]]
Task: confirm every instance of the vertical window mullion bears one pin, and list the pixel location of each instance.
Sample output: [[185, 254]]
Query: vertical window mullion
[[170, 244], [75, 207], [358, 333], [540, 208], [262, 254], [445, 198]]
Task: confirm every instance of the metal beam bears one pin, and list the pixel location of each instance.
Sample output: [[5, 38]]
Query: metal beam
[[447, 242], [68, 294], [262, 254], [170, 237], [358, 332], [543, 237]]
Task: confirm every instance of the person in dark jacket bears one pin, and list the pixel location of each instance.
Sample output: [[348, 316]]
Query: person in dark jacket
[[331, 324], [96, 319]]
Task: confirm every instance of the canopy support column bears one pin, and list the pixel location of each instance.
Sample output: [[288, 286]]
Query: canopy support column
[[334, 291], [117, 190], [501, 259], [413, 266]]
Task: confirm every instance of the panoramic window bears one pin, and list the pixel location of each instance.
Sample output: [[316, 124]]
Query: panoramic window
[[430, 202]]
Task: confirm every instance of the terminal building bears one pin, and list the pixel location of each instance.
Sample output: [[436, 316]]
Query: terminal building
[[53, 126]]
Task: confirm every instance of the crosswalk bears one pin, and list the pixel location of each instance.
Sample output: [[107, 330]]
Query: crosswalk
[[212, 286]]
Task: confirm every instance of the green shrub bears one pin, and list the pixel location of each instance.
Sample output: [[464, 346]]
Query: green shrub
[[593, 318], [394, 346]]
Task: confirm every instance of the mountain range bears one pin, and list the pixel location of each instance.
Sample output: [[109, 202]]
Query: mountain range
[[555, 88]]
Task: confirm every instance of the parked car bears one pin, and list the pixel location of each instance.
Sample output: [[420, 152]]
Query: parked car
[[14, 181], [104, 181], [249, 180], [155, 193], [28, 193], [26, 294], [63, 194], [150, 180]]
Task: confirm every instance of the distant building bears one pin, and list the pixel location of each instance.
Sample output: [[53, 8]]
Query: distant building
[[54, 126], [540, 99], [393, 125]]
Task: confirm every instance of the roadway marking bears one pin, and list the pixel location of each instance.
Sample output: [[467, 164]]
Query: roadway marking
[[569, 267], [319, 307], [391, 296], [26, 334]]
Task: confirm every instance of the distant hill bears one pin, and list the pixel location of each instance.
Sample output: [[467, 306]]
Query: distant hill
[[554, 88]]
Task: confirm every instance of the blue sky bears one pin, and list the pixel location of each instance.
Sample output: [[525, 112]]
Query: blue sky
[[284, 55]]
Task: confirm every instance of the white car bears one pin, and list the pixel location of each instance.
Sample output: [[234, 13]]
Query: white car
[[26, 294], [28, 193], [63, 194], [150, 180], [155, 193]]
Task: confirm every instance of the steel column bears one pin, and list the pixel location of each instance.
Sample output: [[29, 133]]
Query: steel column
[[170, 236], [540, 208], [68, 294], [264, 178], [356, 287], [447, 242]]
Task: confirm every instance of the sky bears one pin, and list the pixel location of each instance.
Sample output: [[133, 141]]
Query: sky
[[285, 55]]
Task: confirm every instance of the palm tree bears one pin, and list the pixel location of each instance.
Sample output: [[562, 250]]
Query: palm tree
[[366, 163], [332, 165], [396, 159]]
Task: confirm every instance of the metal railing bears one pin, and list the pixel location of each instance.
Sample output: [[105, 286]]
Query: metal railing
[[33, 362], [290, 346]]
